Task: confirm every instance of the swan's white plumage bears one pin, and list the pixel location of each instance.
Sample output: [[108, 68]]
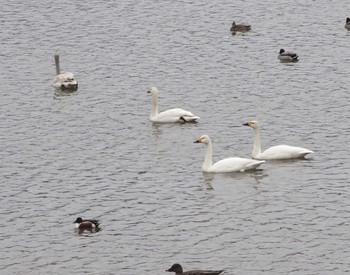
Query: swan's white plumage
[[171, 115], [275, 152], [233, 164], [66, 81], [63, 81]]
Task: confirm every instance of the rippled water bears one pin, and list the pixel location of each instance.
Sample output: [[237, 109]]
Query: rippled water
[[95, 154]]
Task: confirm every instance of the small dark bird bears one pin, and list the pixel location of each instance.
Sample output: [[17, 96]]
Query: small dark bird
[[287, 56], [177, 268], [89, 225], [239, 28], [347, 24]]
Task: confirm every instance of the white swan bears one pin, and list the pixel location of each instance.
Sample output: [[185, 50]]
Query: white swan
[[171, 115], [66, 80], [275, 152], [225, 165]]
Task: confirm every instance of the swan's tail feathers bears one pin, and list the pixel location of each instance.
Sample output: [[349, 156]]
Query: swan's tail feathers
[[189, 118], [306, 152], [255, 164]]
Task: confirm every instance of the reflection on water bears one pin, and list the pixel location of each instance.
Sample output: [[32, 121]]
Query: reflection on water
[[58, 93], [257, 175]]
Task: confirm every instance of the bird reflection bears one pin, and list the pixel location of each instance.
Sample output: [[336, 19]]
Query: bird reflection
[[63, 93], [257, 175]]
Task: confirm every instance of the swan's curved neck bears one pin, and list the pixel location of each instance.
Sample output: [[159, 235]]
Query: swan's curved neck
[[257, 146], [208, 159], [57, 63], [154, 105]]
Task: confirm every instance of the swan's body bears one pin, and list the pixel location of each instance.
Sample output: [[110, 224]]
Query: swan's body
[[226, 165], [347, 24], [171, 115], [239, 28], [287, 56], [275, 152], [66, 80]]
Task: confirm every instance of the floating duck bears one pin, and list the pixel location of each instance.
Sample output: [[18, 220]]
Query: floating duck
[[177, 268], [89, 225], [287, 56], [347, 24], [239, 28]]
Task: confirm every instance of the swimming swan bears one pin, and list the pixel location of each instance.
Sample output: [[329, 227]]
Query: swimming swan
[[347, 24], [287, 56], [275, 152], [225, 165], [64, 81], [171, 115]]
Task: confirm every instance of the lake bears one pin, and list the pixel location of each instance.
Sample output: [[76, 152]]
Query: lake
[[94, 153]]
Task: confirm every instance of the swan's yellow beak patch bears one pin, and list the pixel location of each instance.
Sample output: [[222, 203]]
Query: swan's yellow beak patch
[[199, 140], [250, 123]]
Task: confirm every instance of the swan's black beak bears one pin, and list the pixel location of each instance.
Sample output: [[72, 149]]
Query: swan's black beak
[[197, 141], [245, 124], [148, 92]]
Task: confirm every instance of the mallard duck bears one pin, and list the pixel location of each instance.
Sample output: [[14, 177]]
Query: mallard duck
[[287, 56]]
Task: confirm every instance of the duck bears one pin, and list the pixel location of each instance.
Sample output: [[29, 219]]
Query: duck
[[279, 152], [233, 164], [347, 24], [239, 28], [177, 268], [287, 56], [171, 115], [89, 225], [64, 81]]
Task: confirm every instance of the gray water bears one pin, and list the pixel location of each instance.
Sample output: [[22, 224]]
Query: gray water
[[95, 154]]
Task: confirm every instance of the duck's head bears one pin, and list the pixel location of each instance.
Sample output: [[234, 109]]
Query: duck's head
[[78, 220], [177, 268], [253, 123], [153, 91], [203, 139], [282, 51]]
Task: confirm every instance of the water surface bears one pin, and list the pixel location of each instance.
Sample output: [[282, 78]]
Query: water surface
[[95, 154]]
